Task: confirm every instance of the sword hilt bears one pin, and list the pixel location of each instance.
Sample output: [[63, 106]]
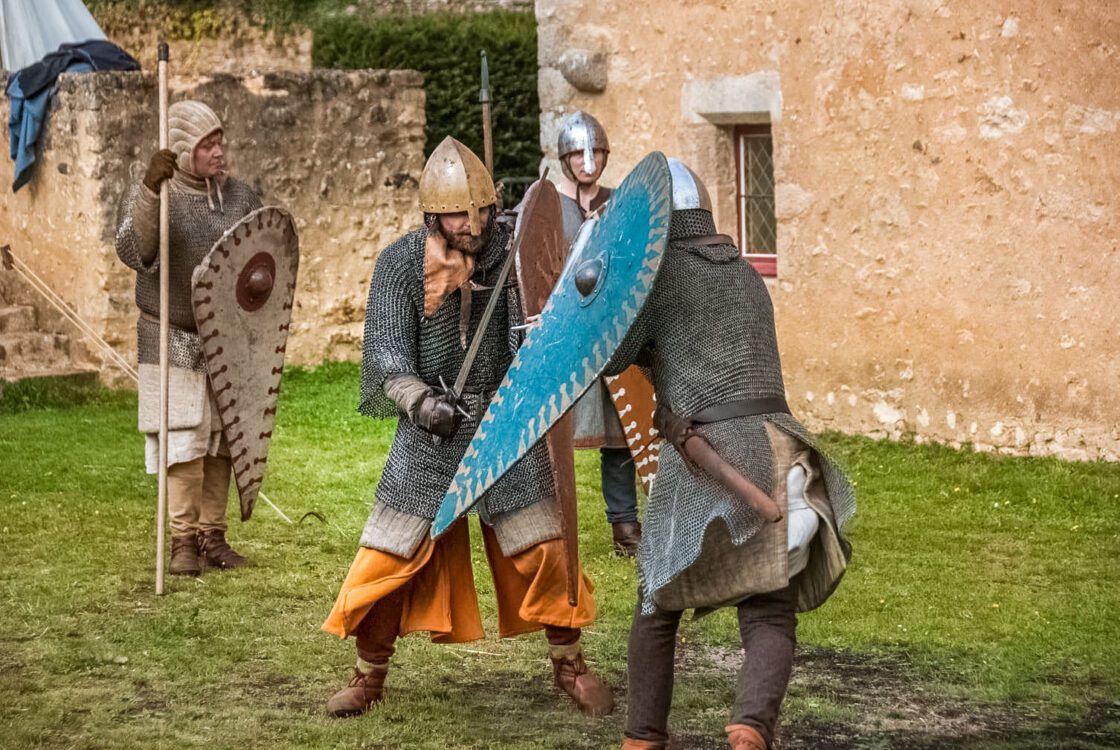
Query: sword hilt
[[456, 399]]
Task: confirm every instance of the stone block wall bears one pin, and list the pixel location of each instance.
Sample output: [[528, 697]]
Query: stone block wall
[[948, 252], [341, 150]]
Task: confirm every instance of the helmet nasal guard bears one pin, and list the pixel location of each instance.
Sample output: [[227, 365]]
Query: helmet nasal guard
[[455, 180]]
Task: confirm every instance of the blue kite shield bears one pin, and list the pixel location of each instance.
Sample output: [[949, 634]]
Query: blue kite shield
[[592, 307]]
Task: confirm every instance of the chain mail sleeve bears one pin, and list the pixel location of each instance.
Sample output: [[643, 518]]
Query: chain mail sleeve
[[634, 347], [138, 229], [390, 341], [254, 198]]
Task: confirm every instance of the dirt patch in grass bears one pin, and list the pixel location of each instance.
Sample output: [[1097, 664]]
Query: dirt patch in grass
[[840, 700]]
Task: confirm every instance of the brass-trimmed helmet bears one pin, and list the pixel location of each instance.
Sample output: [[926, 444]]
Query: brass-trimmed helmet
[[455, 180], [580, 132]]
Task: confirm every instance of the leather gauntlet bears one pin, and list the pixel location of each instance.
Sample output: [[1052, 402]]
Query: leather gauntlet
[[439, 414], [161, 167]]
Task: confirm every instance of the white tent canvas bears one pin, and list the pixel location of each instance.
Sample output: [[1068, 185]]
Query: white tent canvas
[[32, 29]]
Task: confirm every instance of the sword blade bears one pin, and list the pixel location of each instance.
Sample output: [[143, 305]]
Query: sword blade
[[492, 303]]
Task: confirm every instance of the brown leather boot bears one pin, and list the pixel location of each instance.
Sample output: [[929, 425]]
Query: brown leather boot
[[572, 675], [744, 737], [365, 689], [216, 550], [629, 744], [184, 556], [626, 536]]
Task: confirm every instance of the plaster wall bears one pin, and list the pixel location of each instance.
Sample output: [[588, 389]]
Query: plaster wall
[[946, 175], [335, 148]]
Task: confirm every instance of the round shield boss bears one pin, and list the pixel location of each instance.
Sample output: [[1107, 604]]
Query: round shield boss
[[255, 282]]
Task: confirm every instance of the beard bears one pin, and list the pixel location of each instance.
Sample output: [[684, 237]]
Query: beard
[[465, 242]]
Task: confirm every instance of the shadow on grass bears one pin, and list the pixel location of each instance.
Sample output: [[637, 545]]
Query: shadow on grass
[[884, 704]]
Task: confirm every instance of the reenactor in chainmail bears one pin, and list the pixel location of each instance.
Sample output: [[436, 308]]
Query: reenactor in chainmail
[[583, 150], [707, 335], [426, 301], [204, 202]]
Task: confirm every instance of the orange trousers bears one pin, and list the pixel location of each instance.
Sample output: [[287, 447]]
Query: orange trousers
[[434, 590]]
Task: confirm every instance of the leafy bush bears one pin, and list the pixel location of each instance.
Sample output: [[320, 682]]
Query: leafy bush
[[445, 48]]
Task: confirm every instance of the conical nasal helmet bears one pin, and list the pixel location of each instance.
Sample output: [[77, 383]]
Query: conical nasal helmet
[[580, 132], [688, 189], [455, 180], [692, 206]]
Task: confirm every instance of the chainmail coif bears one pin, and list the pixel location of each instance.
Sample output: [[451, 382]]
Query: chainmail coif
[[691, 222]]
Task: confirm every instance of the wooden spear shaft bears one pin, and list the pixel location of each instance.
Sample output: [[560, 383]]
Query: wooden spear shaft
[[164, 327]]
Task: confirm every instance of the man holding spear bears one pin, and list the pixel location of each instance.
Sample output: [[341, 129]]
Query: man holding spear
[[202, 202]]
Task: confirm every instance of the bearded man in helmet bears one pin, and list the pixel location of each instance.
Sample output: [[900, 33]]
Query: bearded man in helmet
[[583, 150], [426, 301], [707, 334], [204, 202]]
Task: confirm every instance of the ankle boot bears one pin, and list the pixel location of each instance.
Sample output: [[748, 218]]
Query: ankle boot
[[184, 556], [744, 737], [572, 675], [626, 536], [365, 689], [629, 744], [217, 552]]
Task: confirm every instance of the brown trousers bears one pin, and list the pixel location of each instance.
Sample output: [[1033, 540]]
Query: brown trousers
[[198, 494], [767, 629]]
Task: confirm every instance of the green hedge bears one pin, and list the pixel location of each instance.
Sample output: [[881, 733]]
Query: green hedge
[[445, 48]]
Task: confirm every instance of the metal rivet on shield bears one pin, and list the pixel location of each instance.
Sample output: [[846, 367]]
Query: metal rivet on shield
[[587, 276]]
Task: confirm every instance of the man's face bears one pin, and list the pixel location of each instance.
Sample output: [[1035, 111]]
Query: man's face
[[587, 173], [210, 156], [457, 229]]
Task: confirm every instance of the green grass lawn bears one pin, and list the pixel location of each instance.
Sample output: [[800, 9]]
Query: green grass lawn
[[980, 584]]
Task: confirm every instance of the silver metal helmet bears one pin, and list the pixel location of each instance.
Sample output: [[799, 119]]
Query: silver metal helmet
[[580, 132], [688, 189]]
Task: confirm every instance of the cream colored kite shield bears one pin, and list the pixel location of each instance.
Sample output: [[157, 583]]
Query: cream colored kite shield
[[455, 180], [242, 294]]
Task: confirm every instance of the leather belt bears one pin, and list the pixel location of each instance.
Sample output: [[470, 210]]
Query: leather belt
[[750, 407], [155, 319]]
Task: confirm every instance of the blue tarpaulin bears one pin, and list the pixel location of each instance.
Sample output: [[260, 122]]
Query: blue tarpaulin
[[40, 40], [32, 29]]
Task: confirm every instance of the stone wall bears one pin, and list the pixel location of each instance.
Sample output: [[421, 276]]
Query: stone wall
[[335, 148], [946, 194]]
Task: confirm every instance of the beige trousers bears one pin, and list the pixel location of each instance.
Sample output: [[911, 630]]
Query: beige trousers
[[198, 494]]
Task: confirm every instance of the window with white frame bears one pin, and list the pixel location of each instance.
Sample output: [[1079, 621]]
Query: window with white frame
[[758, 228]]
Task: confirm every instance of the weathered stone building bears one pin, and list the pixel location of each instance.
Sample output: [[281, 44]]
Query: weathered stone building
[[944, 193], [334, 148]]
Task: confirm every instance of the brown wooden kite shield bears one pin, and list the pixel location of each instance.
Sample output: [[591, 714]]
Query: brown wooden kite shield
[[242, 295], [539, 265]]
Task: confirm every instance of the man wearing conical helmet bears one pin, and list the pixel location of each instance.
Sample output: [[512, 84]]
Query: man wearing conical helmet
[[583, 148], [204, 202], [707, 333], [426, 300]]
